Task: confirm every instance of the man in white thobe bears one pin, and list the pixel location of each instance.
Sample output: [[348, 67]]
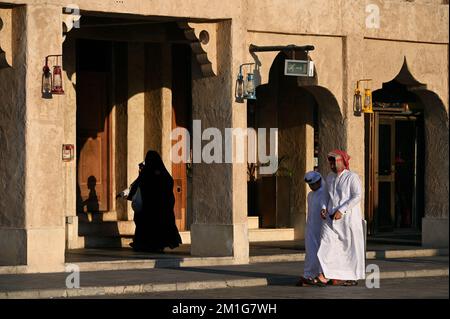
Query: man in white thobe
[[341, 253], [317, 201]]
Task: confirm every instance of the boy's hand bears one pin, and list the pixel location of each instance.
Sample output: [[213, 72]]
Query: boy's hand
[[337, 215], [323, 214]]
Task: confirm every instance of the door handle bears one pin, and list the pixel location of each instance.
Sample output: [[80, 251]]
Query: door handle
[[178, 189]]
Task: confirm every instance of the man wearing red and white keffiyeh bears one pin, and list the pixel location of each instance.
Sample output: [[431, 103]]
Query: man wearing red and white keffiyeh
[[341, 253]]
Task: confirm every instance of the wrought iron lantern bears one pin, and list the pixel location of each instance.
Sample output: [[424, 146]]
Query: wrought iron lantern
[[245, 86], [52, 83]]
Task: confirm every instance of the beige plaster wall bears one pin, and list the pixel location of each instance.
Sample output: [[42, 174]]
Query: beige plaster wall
[[44, 198], [120, 124], [12, 130], [427, 62], [219, 190], [69, 137], [345, 51], [135, 111], [158, 100], [212, 105]]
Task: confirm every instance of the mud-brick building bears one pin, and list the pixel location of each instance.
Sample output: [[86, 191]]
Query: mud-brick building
[[132, 71]]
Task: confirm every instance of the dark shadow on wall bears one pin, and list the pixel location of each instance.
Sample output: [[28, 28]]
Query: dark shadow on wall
[[296, 106]]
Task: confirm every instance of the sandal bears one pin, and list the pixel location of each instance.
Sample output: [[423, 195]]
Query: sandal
[[336, 282], [346, 283], [306, 282], [349, 283]]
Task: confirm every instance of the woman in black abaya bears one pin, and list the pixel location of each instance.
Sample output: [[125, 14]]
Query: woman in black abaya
[[155, 223]]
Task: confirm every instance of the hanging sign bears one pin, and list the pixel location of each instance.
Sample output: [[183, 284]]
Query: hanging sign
[[299, 68]]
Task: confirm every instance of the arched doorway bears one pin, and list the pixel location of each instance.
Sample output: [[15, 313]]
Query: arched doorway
[[309, 123], [404, 138], [124, 98]]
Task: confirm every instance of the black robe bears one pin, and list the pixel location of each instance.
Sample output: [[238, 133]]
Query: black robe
[[155, 224]]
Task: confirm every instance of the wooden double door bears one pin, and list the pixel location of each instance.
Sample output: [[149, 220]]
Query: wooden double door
[[395, 197]]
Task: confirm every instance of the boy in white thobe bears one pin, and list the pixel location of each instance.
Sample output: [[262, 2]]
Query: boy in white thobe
[[317, 201], [341, 253]]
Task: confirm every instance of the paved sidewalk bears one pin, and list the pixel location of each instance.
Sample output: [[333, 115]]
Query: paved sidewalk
[[258, 249], [194, 278], [410, 288]]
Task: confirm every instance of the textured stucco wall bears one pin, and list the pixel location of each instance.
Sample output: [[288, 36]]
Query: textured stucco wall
[[12, 133], [437, 150], [120, 124], [212, 105], [219, 190], [12, 148], [136, 112], [44, 137], [158, 100], [69, 115], [399, 20], [345, 52]]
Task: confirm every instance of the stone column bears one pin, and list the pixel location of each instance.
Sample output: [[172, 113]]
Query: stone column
[[33, 223], [13, 234], [136, 112], [220, 190], [158, 101], [70, 168], [435, 232]]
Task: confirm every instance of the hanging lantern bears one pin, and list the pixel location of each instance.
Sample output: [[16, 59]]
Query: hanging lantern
[[361, 105], [52, 83], [250, 87], [239, 89], [357, 101], [57, 87], [46, 82], [367, 108], [245, 89]]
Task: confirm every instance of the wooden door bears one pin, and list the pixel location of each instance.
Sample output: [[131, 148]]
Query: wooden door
[[93, 141], [385, 174], [179, 173], [181, 106]]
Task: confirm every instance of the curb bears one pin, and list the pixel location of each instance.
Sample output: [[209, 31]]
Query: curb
[[133, 289], [421, 273], [194, 285], [370, 255], [128, 264]]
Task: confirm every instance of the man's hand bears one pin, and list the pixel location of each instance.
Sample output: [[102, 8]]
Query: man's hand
[[323, 214], [337, 215]]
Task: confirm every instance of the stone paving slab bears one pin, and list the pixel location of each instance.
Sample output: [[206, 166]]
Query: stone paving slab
[[188, 278]]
